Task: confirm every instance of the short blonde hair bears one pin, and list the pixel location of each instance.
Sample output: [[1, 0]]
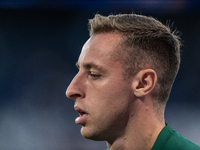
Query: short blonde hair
[[146, 41]]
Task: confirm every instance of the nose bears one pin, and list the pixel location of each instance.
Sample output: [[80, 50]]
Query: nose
[[76, 88]]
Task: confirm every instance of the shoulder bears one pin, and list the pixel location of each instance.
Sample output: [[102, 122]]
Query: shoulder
[[169, 139], [178, 142]]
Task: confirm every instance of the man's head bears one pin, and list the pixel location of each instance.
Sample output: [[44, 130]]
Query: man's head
[[146, 43], [119, 67]]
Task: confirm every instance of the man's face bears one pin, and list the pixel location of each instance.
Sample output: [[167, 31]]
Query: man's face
[[102, 96]]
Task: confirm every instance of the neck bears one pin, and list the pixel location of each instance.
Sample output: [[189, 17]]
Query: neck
[[142, 130]]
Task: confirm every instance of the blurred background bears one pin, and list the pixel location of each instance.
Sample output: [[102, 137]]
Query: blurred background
[[40, 41]]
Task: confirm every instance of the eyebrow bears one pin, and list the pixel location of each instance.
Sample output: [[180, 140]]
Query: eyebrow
[[91, 65]]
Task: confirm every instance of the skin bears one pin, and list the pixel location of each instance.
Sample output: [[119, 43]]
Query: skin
[[119, 111]]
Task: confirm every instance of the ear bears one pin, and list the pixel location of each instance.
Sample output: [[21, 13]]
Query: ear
[[144, 82]]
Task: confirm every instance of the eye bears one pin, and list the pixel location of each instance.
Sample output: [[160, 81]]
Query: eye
[[94, 75]]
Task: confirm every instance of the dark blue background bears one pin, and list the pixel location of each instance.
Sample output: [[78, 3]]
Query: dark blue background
[[40, 42]]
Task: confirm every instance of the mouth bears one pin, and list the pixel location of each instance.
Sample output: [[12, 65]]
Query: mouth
[[83, 116], [82, 113]]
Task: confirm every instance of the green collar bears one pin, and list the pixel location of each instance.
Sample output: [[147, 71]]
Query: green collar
[[162, 138]]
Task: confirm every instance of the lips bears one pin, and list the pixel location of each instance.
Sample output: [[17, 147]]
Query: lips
[[82, 113], [83, 116]]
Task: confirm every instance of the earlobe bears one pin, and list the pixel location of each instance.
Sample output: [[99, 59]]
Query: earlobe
[[144, 82]]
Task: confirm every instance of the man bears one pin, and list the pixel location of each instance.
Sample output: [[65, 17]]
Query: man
[[126, 71]]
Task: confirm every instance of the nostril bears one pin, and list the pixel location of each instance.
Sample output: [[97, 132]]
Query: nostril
[[74, 96]]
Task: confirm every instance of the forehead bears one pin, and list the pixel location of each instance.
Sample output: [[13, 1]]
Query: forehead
[[99, 49]]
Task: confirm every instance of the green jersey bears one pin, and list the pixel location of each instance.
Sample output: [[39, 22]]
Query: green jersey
[[169, 139]]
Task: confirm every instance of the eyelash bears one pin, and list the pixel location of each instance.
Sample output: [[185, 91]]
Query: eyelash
[[94, 75]]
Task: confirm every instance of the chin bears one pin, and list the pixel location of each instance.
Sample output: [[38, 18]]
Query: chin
[[91, 134]]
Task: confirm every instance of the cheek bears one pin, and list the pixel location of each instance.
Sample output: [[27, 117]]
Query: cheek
[[112, 98], [109, 96]]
